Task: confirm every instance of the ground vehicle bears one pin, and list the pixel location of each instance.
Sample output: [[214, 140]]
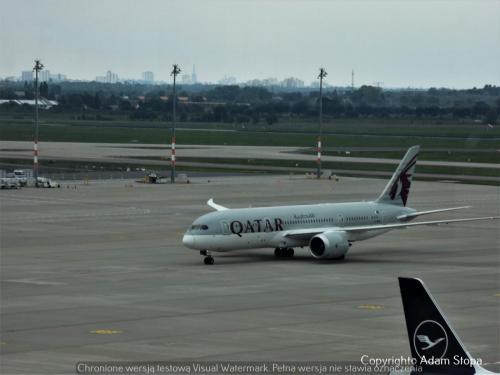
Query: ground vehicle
[[9, 183], [22, 175], [46, 183]]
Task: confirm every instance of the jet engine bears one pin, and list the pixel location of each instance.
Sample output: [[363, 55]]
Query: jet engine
[[329, 245]]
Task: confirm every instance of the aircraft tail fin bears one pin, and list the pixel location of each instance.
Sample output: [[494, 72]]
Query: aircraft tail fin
[[397, 190], [434, 344]]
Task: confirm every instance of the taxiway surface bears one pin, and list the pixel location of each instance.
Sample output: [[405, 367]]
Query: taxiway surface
[[98, 272]]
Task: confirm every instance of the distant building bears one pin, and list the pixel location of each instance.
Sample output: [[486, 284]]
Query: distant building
[[292, 82], [227, 80], [266, 82], [58, 77], [42, 103], [44, 76], [194, 78], [148, 77], [27, 76], [110, 77]]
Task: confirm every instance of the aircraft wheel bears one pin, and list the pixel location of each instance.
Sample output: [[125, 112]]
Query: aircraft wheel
[[289, 252], [278, 252], [208, 260]]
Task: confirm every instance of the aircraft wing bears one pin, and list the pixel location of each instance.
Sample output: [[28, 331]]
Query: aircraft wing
[[362, 228], [309, 232], [216, 206], [413, 215]]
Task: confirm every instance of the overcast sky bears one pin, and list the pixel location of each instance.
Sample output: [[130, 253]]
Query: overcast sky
[[402, 43]]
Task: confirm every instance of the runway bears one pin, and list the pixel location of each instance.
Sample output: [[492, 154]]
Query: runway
[[98, 273]]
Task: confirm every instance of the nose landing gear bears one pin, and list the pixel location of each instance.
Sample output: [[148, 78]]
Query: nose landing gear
[[284, 252], [209, 259]]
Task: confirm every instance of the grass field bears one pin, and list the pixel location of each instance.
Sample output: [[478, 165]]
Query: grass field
[[367, 126], [445, 140], [113, 134]]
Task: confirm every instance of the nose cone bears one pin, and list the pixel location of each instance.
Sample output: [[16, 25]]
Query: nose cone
[[188, 241]]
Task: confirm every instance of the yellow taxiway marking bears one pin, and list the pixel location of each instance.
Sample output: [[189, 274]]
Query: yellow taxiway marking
[[106, 331], [497, 295], [371, 307], [3, 343]]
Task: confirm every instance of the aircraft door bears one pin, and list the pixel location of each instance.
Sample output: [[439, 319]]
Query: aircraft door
[[225, 227], [340, 220]]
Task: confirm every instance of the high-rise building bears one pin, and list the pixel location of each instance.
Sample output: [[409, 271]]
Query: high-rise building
[[110, 77], [58, 77], [44, 76], [148, 77], [194, 78], [27, 76]]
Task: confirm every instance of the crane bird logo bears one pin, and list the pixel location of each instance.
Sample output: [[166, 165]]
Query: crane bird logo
[[430, 340], [426, 340]]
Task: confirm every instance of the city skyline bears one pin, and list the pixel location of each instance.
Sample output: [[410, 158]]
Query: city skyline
[[397, 44], [148, 77]]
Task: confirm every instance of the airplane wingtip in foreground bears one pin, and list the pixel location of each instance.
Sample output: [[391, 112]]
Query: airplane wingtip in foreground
[[435, 347], [328, 229]]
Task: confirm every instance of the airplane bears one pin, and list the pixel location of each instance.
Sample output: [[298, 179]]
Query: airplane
[[328, 229], [435, 347]]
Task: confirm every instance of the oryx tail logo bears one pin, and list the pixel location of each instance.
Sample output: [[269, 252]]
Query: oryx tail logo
[[403, 182], [430, 340]]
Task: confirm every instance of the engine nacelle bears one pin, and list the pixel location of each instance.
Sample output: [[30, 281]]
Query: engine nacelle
[[329, 245]]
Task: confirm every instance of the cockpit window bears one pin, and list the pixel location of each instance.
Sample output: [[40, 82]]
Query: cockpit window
[[199, 227]]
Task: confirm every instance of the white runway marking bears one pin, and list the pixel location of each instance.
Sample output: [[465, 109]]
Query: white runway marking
[[34, 282], [301, 331]]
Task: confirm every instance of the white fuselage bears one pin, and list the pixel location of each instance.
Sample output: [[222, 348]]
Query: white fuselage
[[265, 227]]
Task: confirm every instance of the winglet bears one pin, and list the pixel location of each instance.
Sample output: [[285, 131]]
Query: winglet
[[216, 206]]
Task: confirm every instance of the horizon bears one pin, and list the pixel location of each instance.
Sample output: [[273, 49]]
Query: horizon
[[306, 87]]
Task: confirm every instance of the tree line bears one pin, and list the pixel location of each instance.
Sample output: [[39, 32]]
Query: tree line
[[235, 104]]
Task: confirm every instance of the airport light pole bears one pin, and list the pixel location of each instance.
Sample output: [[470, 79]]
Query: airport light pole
[[322, 74], [176, 70], [37, 68]]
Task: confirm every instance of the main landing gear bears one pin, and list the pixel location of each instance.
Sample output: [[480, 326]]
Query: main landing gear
[[283, 252], [208, 258]]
